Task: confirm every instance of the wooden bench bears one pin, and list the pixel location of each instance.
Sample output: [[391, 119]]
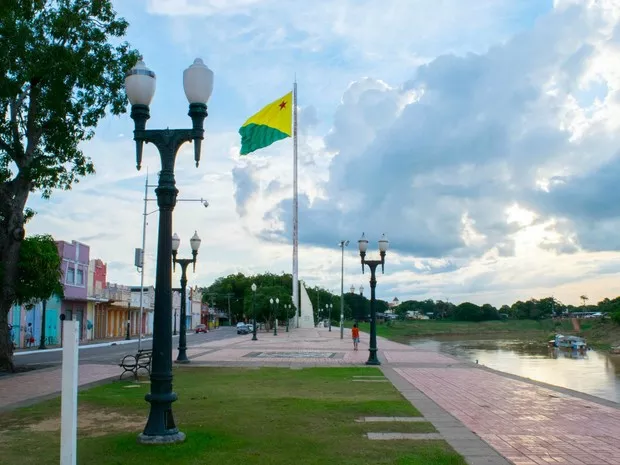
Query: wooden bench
[[134, 363]]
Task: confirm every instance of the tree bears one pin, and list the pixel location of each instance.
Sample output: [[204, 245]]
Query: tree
[[584, 299], [39, 274], [468, 312], [60, 76]]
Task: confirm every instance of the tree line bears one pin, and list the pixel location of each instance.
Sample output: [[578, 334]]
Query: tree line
[[236, 288]]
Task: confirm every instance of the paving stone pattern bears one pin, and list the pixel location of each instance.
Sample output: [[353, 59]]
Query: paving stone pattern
[[30, 387], [527, 424]]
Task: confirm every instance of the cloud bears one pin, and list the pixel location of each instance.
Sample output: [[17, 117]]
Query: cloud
[[480, 135], [437, 161]]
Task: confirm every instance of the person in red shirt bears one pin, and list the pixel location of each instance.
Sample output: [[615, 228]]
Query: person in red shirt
[[355, 332]]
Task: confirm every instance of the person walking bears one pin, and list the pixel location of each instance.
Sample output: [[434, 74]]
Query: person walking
[[29, 339], [355, 332]]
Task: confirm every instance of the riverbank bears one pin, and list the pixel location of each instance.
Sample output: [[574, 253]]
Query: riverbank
[[600, 334]]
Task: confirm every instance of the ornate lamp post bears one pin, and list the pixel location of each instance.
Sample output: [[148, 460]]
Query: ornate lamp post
[[361, 289], [274, 305], [254, 312], [352, 289], [287, 308], [174, 331], [42, 341], [373, 264], [140, 87], [127, 336], [184, 262], [329, 307], [343, 244]]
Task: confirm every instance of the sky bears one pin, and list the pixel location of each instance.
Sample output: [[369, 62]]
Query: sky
[[481, 137]]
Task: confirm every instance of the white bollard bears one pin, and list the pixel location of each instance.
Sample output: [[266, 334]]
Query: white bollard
[[68, 409]]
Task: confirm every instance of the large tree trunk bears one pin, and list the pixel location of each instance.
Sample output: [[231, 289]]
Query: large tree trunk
[[13, 197]]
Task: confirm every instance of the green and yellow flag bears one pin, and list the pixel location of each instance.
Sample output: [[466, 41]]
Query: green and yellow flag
[[273, 123]]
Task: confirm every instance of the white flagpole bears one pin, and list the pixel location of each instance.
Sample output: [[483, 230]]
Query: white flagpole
[[295, 212]]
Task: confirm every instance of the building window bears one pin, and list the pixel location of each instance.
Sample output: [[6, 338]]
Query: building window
[[70, 275], [79, 278]]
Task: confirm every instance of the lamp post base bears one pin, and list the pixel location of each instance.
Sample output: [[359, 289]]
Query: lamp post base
[[185, 360], [372, 357], [174, 438]]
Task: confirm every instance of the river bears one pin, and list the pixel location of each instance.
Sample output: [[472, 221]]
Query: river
[[595, 373]]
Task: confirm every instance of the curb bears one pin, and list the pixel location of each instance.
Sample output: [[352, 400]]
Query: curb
[[53, 395], [85, 346]]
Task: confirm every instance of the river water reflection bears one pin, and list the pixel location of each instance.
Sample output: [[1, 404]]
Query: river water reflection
[[594, 373]]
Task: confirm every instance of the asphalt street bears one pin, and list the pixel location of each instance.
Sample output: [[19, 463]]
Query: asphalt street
[[113, 352]]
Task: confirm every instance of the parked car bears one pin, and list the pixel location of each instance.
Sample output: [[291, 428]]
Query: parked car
[[243, 329], [201, 329]]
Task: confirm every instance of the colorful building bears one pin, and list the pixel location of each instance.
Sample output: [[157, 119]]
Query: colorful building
[[148, 306], [74, 265], [194, 307], [96, 299]]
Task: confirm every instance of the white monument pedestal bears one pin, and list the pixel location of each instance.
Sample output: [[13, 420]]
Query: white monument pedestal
[[306, 320]]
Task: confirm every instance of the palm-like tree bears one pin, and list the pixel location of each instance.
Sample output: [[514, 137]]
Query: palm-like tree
[[584, 299]]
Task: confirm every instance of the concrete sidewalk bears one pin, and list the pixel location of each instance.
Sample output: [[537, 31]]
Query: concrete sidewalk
[[23, 389]]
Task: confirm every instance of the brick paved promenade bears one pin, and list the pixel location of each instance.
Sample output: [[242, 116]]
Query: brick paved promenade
[[26, 388], [481, 413]]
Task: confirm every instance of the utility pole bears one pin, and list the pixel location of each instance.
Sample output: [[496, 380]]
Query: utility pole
[[229, 295]]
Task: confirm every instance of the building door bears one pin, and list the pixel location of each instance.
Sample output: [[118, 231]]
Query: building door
[[79, 317], [16, 332], [52, 321]]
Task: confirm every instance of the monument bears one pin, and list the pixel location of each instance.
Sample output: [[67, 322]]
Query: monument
[[306, 320]]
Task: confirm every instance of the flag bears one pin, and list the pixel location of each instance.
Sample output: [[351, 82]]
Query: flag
[[273, 123]]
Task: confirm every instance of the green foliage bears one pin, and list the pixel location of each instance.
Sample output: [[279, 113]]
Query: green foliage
[[237, 288], [39, 272], [468, 312], [60, 75]]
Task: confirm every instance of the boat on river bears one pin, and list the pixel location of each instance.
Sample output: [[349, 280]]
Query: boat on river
[[569, 342]]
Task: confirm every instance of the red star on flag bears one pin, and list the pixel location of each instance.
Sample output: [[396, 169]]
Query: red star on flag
[[283, 105]]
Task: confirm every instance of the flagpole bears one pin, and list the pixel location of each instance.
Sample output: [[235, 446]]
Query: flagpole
[[295, 212]]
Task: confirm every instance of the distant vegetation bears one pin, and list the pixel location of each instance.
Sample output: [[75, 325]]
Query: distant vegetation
[[237, 289]]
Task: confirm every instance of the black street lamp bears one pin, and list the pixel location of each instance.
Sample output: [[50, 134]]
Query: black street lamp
[[373, 264], [275, 316], [127, 337], [287, 307], [343, 244], [174, 331], [42, 341], [184, 262], [254, 313], [140, 87], [329, 307]]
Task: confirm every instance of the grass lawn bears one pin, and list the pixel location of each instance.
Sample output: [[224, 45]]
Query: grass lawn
[[403, 331], [233, 416]]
